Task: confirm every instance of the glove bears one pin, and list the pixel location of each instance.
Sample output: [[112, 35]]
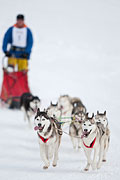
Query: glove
[[24, 55], [7, 54]]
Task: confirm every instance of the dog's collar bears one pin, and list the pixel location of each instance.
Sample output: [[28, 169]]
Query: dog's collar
[[91, 144], [42, 138]]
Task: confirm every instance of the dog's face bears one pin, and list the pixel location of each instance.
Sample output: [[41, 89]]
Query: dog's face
[[63, 102], [88, 126], [53, 111], [79, 116], [35, 103], [100, 118], [42, 121]]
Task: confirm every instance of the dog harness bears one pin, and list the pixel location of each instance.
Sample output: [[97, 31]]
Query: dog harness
[[43, 139], [91, 145]]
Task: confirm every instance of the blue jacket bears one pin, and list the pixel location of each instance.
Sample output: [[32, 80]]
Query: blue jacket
[[8, 39]]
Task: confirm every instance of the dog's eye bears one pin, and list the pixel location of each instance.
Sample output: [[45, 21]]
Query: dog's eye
[[89, 124], [84, 124], [43, 119], [37, 119]]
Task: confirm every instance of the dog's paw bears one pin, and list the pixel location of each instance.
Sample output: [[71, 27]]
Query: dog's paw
[[54, 165], [45, 167], [86, 169], [104, 160]]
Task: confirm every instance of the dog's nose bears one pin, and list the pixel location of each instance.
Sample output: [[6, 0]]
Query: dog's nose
[[39, 124], [85, 130], [98, 123]]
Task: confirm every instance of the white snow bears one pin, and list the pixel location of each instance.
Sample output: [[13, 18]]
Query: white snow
[[77, 52]]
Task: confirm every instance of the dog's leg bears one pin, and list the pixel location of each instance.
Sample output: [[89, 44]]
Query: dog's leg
[[25, 114], [88, 155], [105, 149], [56, 154], [74, 142], [50, 152], [28, 117], [94, 163], [79, 143], [101, 153], [43, 156]]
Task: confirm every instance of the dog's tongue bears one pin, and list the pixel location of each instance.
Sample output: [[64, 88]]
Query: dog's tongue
[[36, 128], [83, 135], [35, 110]]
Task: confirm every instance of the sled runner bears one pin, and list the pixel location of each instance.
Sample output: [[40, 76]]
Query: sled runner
[[13, 86]]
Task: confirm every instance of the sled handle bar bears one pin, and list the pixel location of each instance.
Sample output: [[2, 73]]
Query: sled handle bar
[[3, 59]]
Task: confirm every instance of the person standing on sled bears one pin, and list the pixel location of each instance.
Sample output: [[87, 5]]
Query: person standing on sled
[[20, 38]]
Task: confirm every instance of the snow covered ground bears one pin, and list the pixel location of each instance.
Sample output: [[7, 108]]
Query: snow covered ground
[[77, 52]]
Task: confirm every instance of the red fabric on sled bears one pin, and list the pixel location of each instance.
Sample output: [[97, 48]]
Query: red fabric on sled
[[14, 85]]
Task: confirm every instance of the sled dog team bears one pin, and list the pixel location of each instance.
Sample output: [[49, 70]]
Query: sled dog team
[[90, 133]]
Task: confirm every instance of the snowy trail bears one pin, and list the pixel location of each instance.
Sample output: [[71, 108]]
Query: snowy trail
[[20, 157]]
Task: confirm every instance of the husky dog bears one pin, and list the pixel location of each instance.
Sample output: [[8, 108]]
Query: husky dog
[[102, 123], [53, 111], [64, 104], [75, 128], [78, 115], [67, 103], [48, 136], [29, 104], [77, 105], [91, 139]]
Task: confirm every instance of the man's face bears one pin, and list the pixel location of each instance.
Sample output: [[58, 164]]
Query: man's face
[[20, 23]]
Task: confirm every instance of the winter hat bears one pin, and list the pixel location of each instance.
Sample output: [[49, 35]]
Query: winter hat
[[20, 16]]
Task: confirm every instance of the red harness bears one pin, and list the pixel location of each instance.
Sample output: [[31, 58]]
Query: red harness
[[91, 145], [44, 140]]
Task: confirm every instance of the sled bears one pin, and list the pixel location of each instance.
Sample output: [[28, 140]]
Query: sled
[[13, 86]]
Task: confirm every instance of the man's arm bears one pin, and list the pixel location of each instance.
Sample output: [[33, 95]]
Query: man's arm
[[7, 39], [29, 42]]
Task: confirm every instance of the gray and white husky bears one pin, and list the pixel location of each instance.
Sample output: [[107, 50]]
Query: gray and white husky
[[48, 136], [75, 128], [54, 111], [102, 123], [64, 104], [92, 139], [67, 103]]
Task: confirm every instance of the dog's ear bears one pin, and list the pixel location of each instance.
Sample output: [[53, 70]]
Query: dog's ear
[[92, 115], [38, 111], [30, 97], [105, 113], [97, 112], [51, 103], [45, 110], [87, 115]]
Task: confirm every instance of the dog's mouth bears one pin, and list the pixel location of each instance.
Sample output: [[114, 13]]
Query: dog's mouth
[[35, 110], [61, 107], [40, 128], [86, 133]]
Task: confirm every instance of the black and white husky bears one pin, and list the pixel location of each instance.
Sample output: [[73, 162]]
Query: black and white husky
[[29, 104], [48, 136], [92, 139]]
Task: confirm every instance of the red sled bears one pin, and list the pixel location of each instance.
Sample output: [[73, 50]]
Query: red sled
[[13, 86]]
